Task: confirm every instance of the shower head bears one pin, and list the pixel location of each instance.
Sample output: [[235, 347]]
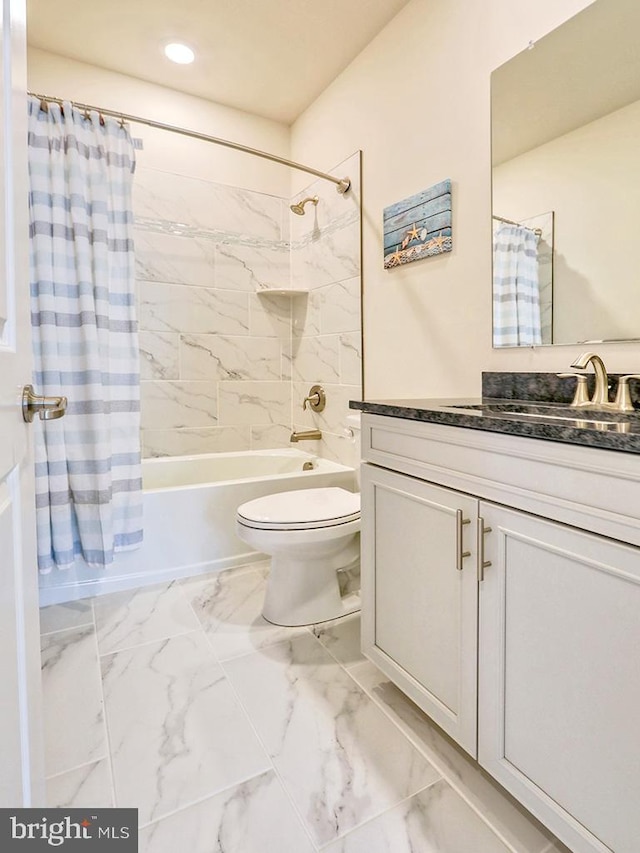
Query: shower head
[[298, 208]]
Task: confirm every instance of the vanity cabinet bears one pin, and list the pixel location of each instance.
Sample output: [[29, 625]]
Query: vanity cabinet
[[420, 617], [559, 671], [529, 656]]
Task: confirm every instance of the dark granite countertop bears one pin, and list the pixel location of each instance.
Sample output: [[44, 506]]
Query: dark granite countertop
[[546, 416], [607, 430]]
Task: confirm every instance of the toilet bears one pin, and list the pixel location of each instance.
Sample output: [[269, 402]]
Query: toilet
[[310, 535]]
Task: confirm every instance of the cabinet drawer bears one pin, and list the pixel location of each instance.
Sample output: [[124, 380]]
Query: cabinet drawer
[[585, 487]]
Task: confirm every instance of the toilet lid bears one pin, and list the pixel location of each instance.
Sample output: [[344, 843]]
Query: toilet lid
[[304, 509]]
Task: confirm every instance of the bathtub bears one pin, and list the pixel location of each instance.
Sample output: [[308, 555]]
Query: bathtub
[[189, 505]]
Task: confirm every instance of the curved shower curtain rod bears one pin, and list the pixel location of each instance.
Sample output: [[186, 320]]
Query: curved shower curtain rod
[[342, 184]]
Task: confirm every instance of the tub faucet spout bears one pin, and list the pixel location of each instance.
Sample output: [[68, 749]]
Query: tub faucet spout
[[306, 435]]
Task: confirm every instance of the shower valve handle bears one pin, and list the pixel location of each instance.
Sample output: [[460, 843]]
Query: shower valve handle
[[48, 408], [316, 399]]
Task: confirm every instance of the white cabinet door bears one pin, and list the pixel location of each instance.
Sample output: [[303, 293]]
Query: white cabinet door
[[21, 774], [559, 681], [419, 607]]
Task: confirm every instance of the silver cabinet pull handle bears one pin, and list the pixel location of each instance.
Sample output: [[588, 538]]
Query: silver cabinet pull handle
[[460, 554], [482, 563], [48, 408]]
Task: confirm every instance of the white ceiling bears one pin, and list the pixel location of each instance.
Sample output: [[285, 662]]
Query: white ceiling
[[268, 57], [585, 69]]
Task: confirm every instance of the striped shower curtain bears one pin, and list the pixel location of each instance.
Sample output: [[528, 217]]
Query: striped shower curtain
[[516, 291], [88, 485]]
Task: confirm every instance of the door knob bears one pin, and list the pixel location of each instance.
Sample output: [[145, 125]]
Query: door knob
[[48, 408]]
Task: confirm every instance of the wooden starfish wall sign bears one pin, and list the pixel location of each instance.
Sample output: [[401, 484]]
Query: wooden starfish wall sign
[[419, 226]]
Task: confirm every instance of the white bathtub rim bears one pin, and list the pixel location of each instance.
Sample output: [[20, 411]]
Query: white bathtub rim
[[335, 467], [270, 451], [321, 466]]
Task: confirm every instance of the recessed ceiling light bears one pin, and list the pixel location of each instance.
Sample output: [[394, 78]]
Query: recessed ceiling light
[[180, 53]]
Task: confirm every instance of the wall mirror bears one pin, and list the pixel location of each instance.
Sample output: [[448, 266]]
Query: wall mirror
[[566, 183]]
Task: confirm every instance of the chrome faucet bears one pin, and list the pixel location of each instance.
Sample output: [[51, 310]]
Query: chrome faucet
[[600, 396]]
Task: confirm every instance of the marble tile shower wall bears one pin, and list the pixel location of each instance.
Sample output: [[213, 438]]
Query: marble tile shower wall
[[326, 340], [225, 364], [215, 355]]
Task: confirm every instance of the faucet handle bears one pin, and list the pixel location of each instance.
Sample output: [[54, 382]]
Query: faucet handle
[[581, 397], [317, 398], [623, 397]]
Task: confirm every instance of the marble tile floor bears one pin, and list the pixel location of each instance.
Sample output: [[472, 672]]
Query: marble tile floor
[[231, 735]]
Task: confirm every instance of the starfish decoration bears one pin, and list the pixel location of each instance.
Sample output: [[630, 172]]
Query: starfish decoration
[[395, 257], [439, 241], [413, 232]]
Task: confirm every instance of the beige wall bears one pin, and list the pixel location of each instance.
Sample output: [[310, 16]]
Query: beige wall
[[590, 178], [58, 76], [416, 101]]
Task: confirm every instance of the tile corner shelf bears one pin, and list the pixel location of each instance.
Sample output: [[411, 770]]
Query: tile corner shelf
[[281, 291]]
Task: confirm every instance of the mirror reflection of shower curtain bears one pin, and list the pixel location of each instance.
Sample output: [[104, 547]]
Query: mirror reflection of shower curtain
[[82, 269], [516, 293]]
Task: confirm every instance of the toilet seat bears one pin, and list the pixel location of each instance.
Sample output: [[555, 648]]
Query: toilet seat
[[306, 509]]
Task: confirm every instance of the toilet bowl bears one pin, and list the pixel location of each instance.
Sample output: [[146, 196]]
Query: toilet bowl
[[310, 535]]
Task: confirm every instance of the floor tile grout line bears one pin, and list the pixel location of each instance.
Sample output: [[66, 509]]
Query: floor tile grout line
[[105, 715], [211, 577], [299, 633], [162, 639], [414, 741], [146, 643], [203, 799], [164, 587], [260, 648], [335, 657], [283, 786], [208, 640], [309, 630], [197, 630], [439, 765], [70, 628], [105, 755], [384, 811], [404, 799], [221, 663], [279, 642], [77, 767]]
